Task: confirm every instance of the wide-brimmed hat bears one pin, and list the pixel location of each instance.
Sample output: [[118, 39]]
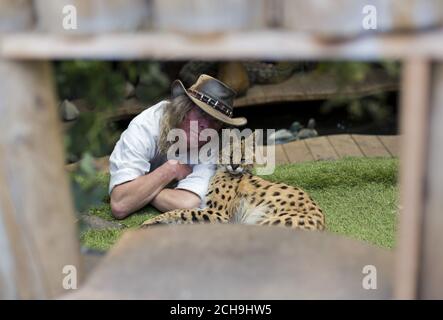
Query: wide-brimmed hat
[[212, 96]]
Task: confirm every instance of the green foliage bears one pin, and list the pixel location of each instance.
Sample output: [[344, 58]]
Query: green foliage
[[373, 107], [88, 187], [100, 239], [96, 81], [153, 84], [102, 88], [345, 72], [101, 84]]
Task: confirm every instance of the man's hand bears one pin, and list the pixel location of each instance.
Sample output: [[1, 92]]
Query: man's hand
[[180, 171], [133, 195]]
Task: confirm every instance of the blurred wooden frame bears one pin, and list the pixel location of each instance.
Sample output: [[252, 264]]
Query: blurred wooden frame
[[24, 64]]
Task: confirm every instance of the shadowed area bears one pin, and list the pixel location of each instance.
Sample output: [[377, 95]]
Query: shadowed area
[[236, 262]]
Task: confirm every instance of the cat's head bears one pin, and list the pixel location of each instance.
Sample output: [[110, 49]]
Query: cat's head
[[237, 157]]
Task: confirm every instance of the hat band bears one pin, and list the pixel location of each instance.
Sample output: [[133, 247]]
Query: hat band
[[219, 106]]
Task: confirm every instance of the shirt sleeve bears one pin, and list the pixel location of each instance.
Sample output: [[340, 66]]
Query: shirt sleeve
[[198, 181], [131, 156]]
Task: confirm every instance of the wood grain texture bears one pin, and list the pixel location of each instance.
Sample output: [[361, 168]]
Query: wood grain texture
[[235, 262], [297, 151], [371, 146], [431, 259], [280, 155], [38, 232], [263, 44], [321, 149], [392, 144], [315, 86], [414, 123], [345, 146]]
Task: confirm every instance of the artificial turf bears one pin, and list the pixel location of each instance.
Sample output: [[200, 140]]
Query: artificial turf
[[357, 195]]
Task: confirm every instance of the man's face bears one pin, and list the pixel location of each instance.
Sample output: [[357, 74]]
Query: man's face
[[203, 120]]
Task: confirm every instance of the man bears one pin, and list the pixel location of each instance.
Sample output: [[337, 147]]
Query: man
[[140, 170]]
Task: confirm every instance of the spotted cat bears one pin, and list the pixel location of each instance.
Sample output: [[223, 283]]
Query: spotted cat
[[235, 195]]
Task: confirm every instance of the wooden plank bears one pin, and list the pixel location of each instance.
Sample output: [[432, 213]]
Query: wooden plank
[[38, 235], [392, 144], [431, 259], [316, 86], [414, 124], [297, 151], [345, 146], [321, 149], [280, 155], [210, 268], [259, 44], [255, 95], [370, 146]]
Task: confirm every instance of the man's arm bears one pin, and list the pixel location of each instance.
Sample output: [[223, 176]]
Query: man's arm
[[133, 195], [170, 199]]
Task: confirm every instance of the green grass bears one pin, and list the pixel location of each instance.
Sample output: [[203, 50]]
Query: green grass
[[358, 196], [104, 239]]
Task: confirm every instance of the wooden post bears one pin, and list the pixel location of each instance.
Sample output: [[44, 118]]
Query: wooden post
[[431, 269], [37, 227], [414, 121]]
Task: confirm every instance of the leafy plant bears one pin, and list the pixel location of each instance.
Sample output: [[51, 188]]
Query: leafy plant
[[348, 73], [88, 187]]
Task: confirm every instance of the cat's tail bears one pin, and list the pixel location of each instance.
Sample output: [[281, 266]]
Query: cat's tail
[[248, 213]]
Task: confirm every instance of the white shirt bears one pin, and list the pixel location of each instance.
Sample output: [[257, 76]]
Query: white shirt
[[136, 154]]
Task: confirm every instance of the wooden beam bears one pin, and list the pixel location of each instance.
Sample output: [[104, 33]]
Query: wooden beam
[[391, 144], [37, 228], [276, 263], [316, 86], [371, 146], [414, 123], [297, 151], [431, 267], [321, 148], [265, 44], [345, 146]]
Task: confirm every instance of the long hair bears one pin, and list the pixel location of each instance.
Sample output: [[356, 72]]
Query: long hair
[[175, 112]]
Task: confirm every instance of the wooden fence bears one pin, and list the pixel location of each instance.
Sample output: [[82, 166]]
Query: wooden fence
[[37, 235]]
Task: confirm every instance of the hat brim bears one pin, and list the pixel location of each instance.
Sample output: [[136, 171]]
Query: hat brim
[[178, 89]]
